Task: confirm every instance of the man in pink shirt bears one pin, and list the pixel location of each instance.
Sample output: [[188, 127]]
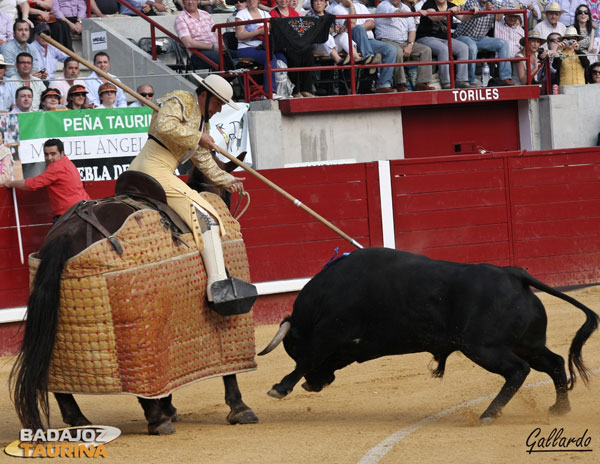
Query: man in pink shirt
[[61, 178], [194, 28]]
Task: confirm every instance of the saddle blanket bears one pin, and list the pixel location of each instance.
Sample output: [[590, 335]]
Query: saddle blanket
[[138, 322]]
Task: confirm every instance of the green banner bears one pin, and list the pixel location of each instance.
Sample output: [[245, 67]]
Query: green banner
[[59, 124]]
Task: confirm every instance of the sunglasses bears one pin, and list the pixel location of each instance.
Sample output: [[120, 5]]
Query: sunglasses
[[552, 40], [147, 94], [596, 72], [78, 94], [582, 12]]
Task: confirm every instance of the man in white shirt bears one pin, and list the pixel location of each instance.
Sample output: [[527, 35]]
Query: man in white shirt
[[551, 24], [374, 51], [402, 34], [23, 100], [102, 61], [569, 7], [509, 29], [23, 77], [70, 75], [20, 44], [48, 55], [145, 91]]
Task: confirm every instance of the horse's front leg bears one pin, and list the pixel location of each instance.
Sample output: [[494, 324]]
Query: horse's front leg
[[240, 413], [159, 422], [70, 411]]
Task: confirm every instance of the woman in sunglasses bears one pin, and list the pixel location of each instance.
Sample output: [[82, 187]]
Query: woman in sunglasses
[[585, 28], [77, 98], [593, 74]]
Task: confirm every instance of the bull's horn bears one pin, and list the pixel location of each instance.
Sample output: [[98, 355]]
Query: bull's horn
[[280, 335]]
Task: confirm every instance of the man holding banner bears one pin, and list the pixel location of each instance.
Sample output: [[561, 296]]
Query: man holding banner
[[61, 178], [179, 132]]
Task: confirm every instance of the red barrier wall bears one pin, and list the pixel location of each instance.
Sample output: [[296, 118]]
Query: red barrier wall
[[537, 210]]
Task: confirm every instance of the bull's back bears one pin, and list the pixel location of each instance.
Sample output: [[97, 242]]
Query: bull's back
[[399, 302]]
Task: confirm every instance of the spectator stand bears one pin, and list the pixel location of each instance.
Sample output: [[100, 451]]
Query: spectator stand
[[253, 89]]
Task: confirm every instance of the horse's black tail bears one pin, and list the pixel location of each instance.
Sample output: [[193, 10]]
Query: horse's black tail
[[584, 332], [29, 375]]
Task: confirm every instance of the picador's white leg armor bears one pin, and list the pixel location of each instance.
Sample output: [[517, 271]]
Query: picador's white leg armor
[[228, 294], [212, 255]]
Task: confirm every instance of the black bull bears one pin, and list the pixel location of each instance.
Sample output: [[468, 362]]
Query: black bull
[[378, 302]]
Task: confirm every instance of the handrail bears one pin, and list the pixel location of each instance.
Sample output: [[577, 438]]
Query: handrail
[[154, 25], [351, 65]]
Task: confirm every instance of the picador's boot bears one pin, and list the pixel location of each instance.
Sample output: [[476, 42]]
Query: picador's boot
[[226, 295]]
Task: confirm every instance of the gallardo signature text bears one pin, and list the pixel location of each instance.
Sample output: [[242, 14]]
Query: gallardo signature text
[[557, 441]]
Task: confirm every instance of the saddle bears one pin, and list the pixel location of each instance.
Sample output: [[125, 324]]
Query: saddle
[[137, 190]]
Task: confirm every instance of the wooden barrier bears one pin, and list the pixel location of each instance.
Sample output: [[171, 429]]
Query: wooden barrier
[[538, 210]]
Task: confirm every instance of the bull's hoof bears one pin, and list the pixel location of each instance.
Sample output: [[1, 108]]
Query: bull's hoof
[[312, 388], [279, 391], [166, 428], [245, 416], [486, 420], [276, 394], [559, 409], [175, 418]]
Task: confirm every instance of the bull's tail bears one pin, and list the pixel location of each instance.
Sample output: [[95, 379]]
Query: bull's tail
[[29, 375], [584, 332]]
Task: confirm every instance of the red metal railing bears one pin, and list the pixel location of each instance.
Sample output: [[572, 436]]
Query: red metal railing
[[352, 65], [249, 82]]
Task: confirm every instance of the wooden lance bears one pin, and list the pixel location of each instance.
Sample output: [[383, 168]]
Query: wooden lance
[[225, 153]]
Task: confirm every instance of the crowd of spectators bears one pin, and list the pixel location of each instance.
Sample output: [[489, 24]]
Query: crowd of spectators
[[420, 38], [563, 43]]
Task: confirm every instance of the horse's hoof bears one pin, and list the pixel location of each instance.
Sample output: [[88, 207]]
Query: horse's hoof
[[166, 428], [79, 422], [559, 409], [246, 416]]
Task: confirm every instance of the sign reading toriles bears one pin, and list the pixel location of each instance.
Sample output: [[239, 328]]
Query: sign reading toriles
[[475, 95]]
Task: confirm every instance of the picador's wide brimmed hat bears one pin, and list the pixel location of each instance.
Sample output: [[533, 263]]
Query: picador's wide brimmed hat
[[571, 33], [219, 87], [554, 7], [534, 34]]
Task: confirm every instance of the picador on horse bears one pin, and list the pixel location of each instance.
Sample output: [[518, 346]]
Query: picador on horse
[[147, 291]]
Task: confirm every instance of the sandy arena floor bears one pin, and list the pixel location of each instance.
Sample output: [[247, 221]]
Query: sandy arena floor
[[423, 419]]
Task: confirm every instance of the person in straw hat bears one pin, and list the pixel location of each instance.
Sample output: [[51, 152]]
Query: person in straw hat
[[7, 89], [551, 24], [535, 58], [178, 132], [571, 64]]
